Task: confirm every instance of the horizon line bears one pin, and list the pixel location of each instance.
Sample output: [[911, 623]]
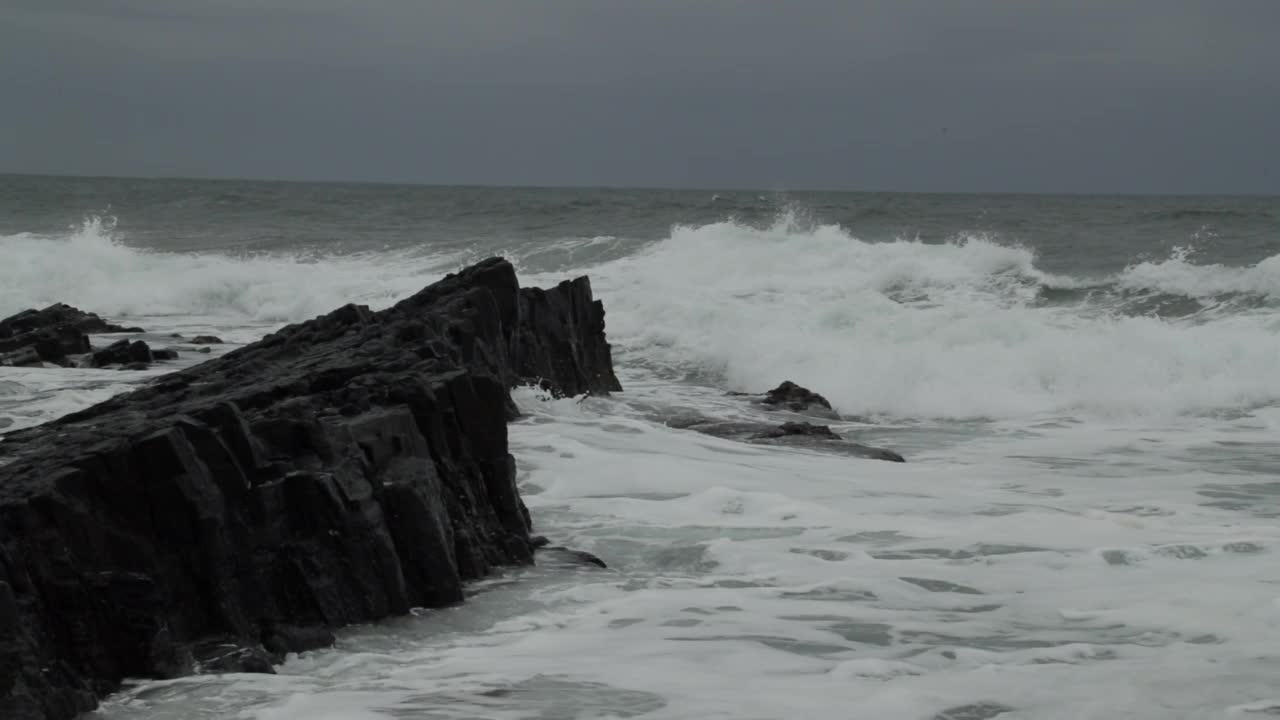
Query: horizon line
[[634, 188]]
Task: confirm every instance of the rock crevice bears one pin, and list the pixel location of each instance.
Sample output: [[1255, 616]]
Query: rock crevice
[[340, 470]]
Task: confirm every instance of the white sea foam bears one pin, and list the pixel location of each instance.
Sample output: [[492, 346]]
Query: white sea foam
[[752, 582]]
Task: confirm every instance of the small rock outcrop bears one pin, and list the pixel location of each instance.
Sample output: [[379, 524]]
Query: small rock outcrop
[[794, 398], [798, 399], [340, 470], [205, 340], [54, 335]]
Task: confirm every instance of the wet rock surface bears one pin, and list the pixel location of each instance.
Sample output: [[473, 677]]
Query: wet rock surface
[[340, 470]]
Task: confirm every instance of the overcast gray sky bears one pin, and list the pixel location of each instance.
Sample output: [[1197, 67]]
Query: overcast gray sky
[[1003, 95]]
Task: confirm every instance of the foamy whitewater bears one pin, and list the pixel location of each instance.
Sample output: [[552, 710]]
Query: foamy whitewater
[[1085, 527]]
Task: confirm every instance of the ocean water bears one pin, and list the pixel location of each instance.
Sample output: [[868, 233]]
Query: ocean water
[[1087, 391]]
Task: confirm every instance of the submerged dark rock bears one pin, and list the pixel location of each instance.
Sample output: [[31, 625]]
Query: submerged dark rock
[[802, 434], [53, 335], [568, 557], [205, 340], [797, 429], [340, 470]]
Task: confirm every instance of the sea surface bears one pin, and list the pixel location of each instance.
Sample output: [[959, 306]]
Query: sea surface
[[1086, 389]]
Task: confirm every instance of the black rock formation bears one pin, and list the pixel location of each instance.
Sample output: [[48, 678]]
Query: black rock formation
[[52, 335], [340, 470], [205, 340]]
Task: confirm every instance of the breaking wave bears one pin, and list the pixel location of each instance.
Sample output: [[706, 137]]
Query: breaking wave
[[966, 329]]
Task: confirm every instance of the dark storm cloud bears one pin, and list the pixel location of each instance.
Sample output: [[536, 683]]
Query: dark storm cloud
[[1151, 96]]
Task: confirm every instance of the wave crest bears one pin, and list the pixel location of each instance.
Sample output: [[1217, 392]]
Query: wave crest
[[1178, 275]]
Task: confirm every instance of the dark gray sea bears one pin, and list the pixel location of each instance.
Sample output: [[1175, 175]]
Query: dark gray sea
[[1086, 389]]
